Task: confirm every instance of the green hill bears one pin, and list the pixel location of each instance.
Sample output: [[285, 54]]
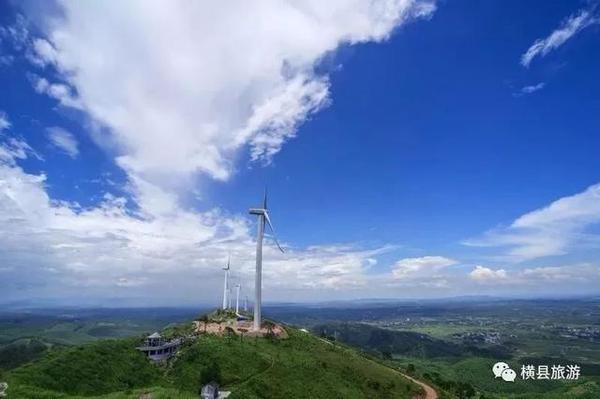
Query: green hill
[[97, 368], [301, 366], [21, 351]]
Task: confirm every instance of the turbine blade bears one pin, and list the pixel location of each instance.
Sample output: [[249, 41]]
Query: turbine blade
[[268, 220], [273, 231], [265, 200]]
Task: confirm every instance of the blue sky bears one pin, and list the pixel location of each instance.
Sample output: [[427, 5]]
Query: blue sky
[[416, 149]]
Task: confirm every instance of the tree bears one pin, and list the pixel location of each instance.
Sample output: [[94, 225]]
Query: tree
[[210, 373], [410, 369]]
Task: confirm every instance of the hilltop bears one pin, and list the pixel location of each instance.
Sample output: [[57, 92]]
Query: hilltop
[[299, 366]]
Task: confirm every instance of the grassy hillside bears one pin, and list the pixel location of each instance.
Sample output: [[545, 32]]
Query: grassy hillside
[[299, 367], [92, 369], [462, 370], [20, 352]]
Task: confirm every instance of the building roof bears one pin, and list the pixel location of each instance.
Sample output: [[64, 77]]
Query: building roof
[[210, 388], [154, 335]]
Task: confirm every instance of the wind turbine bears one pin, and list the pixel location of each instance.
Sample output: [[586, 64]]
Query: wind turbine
[[246, 303], [237, 299], [226, 285], [263, 217]]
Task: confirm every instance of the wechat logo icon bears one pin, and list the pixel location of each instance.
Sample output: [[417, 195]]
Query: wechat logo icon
[[503, 370]]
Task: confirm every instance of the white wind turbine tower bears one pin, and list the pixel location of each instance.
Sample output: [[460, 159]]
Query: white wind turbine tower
[[237, 299], [226, 285], [246, 303], [263, 218]]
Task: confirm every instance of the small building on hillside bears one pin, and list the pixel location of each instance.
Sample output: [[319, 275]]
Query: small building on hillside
[[210, 391], [157, 349]]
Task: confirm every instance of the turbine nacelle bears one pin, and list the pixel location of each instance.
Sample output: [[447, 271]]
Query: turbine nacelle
[[228, 263]]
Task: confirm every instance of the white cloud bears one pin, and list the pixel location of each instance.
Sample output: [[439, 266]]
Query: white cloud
[[552, 230], [16, 34], [63, 140], [485, 274], [572, 25], [42, 53], [408, 267], [547, 273], [4, 122], [530, 89], [583, 272], [13, 148], [544, 279], [52, 248], [183, 86], [61, 92]]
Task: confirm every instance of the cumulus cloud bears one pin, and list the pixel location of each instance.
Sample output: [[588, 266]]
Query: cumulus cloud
[[552, 230], [183, 86], [408, 267], [559, 280], [66, 246], [583, 272], [571, 26], [51, 247], [485, 274], [64, 141], [179, 89], [61, 92], [42, 53]]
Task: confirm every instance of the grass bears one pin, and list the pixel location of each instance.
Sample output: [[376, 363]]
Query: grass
[[97, 368], [305, 367], [20, 352], [301, 366]]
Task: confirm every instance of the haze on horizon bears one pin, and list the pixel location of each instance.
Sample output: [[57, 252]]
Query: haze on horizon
[[412, 149]]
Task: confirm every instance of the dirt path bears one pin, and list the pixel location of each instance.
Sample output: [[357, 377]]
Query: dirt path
[[430, 393], [255, 375]]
